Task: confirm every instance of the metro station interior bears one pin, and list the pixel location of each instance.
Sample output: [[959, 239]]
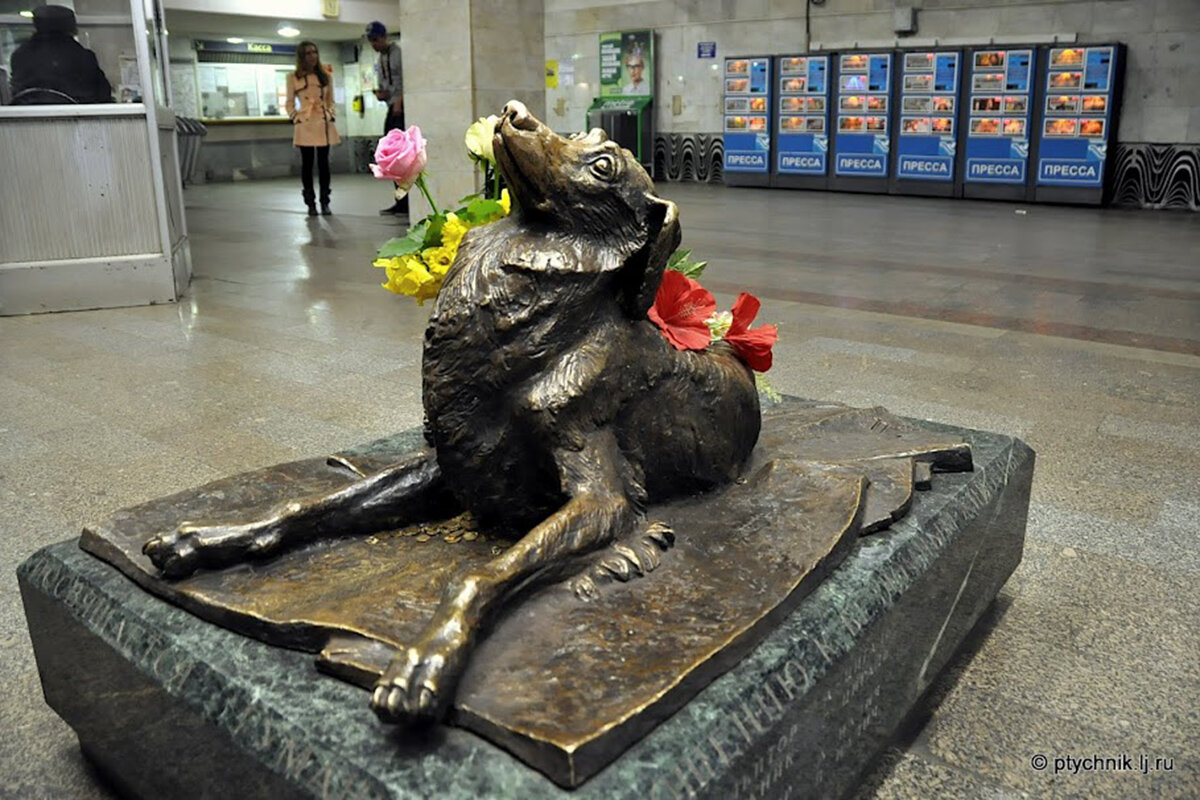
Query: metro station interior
[[981, 214]]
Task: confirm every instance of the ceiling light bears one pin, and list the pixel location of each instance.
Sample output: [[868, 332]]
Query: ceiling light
[[288, 30], [234, 40], [27, 14]]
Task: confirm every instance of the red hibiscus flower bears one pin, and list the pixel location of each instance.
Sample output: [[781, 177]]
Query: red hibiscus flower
[[680, 310], [752, 346]]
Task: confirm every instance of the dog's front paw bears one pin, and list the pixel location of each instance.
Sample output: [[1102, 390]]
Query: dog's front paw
[[192, 546], [173, 553], [418, 686]]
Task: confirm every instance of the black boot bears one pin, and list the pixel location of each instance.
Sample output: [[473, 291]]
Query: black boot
[[310, 197], [325, 212]]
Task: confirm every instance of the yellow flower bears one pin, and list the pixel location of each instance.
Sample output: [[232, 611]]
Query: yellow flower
[[428, 291], [409, 276], [438, 260], [386, 262], [505, 202], [453, 230]]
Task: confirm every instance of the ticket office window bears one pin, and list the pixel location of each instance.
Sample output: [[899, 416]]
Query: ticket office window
[[243, 91]]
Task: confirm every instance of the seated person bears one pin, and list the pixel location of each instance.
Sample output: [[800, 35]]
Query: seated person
[[54, 68]]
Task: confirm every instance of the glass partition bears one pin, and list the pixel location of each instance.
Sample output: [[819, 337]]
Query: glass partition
[[156, 47], [29, 68]]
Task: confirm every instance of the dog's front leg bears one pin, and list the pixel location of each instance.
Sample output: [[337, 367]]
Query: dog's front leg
[[419, 684], [407, 492]]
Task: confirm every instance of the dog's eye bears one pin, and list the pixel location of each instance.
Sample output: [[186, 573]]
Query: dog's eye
[[604, 167]]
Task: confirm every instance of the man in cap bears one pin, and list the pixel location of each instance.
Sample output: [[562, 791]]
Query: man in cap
[[390, 80], [54, 68]]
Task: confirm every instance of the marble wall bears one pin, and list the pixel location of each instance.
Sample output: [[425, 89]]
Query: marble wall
[[463, 59], [436, 43], [1162, 98]]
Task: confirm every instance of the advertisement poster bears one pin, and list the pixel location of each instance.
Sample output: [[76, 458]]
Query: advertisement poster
[[626, 63]]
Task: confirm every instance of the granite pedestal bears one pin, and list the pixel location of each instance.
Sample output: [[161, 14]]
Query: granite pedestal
[[167, 705]]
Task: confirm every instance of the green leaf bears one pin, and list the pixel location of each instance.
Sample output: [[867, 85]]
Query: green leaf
[[433, 235], [482, 210], [469, 198], [400, 246], [682, 261]]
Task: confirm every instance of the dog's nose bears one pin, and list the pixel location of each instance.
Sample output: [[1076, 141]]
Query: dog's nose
[[516, 114]]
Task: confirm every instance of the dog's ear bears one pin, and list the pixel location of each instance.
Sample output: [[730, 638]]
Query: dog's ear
[[643, 272]]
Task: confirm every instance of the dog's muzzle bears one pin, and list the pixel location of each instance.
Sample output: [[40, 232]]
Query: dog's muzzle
[[517, 115]]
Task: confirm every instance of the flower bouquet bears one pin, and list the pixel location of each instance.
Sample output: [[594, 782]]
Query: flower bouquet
[[417, 262]]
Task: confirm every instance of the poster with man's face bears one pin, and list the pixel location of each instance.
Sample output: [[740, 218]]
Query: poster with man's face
[[627, 64]]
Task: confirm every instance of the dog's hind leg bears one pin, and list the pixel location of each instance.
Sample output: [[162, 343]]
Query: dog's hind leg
[[631, 557], [407, 492], [419, 684]]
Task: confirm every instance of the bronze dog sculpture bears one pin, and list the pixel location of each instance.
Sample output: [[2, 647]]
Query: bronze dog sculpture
[[555, 410]]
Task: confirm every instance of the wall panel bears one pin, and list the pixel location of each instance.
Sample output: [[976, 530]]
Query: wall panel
[[106, 171]]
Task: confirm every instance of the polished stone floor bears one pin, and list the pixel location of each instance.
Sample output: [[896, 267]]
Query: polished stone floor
[[1076, 329]]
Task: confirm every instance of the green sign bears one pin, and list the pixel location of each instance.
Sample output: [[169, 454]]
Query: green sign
[[627, 63]]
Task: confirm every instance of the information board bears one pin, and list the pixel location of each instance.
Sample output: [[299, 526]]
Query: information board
[[1076, 124], [926, 140], [747, 111], [1000, 113], [861, 145], [803, 127]]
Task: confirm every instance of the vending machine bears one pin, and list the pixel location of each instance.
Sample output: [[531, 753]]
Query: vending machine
[[861, 138], [1082, 100], [747, 136], [923, 157], [1002, 94], [801, 128]]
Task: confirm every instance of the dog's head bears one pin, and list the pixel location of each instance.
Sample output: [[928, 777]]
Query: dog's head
[[589, 188]]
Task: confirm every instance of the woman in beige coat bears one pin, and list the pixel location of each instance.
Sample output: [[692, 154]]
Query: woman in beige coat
[[310, 106]]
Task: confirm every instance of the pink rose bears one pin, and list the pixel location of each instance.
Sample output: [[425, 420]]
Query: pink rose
[[400, 157]]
